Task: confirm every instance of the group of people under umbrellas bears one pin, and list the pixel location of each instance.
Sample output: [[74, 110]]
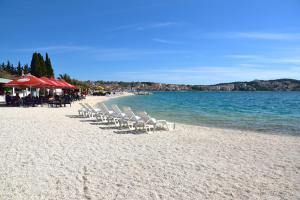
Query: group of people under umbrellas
[[30, 81]]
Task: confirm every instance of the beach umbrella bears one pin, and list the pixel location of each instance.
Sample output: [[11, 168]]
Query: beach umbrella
[[27, 81], [50, 82], [68, 84], [64, 84], [58, 83]]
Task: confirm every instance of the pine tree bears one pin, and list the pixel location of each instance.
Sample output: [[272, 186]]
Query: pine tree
[[7, 67], [34, 64], [26, 69], [2, 67], [65, 77], [12, 69], [42, 66], [19, 69], [38, 65], [48, 67]]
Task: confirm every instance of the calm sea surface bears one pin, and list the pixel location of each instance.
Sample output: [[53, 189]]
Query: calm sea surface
[[273, 112]]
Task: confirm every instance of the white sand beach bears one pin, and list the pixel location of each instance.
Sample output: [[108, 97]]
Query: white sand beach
[[50, 153]]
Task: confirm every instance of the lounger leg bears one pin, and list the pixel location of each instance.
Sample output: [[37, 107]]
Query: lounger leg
[[116, 121]]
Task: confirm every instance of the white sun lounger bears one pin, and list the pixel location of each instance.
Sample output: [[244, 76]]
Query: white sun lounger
[[149, 123], [132, 121], [92, 111], [113, 116], [152, 123], [84, 110]]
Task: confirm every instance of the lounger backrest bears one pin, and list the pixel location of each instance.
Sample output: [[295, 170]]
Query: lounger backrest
[[116, 111], [104, 108], [83, 106], [89, 107], [129, 113], [145, 117]]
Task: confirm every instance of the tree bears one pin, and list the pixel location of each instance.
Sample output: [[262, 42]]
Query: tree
[[26, 69], [12, 69], [19, 69], [78, 83], [42, 68], [66, 77], [2, 66], [8, 67], [37, 65], [34, 64], [48, 66]]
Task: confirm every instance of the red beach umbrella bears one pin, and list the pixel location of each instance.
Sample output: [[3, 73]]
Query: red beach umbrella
[[58, 83], [64, 84], [27, 81], [68, 84], [50, 82]]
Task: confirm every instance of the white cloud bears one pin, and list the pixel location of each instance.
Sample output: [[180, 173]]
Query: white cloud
[[267, 36], [247, 65], [260, 59], [163, 41], [104, 54], [119, 54], [210, 74], [240, 56], [156, 25], [142, 27], [256, 35], [60, 48]]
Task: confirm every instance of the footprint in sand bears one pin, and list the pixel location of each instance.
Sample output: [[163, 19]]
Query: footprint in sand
[[85, 187]]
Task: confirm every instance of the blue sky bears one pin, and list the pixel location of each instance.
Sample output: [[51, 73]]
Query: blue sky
[[169, 41]]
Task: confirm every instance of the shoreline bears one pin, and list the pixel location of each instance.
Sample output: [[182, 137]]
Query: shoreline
[[226, 129], [262, 131], [50, 153]]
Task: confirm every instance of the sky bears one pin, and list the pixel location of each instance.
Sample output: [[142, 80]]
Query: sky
[[167, 41]]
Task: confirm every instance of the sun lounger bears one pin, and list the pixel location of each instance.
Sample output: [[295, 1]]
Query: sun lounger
[[117, 111], [152, 123], [92, 111], [83, 111], [113, 116], [131, 120], [119, 116], [149, 123]]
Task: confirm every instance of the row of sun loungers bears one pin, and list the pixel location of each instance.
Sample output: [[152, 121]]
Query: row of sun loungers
[[125, 118]]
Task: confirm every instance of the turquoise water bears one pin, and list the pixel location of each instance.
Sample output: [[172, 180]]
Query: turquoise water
[[272, 112]]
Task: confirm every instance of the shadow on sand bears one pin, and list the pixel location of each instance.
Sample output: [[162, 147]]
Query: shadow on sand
[[127, 131], [106, 126], [75, 116]]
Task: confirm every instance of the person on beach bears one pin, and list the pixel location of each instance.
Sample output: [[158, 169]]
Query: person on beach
[[8, 99], [17, 100]]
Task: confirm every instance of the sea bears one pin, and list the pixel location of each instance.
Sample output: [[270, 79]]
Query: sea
[[267, 112]]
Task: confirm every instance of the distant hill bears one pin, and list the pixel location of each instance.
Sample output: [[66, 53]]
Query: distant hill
[[256, 85]]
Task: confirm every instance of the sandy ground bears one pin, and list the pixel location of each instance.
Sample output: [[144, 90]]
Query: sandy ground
[[50, 153]]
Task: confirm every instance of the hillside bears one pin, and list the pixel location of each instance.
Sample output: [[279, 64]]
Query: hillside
[[256, 85]]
